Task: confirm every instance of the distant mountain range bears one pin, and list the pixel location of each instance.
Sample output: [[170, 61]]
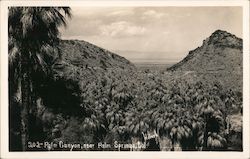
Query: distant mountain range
[[156, 57]]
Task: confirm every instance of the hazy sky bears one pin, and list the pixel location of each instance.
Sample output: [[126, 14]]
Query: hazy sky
[[151, 32]]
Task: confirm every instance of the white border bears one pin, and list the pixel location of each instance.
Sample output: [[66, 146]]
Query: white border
[[194, 155]]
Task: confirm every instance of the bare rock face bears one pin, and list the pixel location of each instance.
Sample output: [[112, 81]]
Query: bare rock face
[[220, 57], [224, 39]]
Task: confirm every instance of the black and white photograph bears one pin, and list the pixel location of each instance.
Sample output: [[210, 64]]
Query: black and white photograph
[[126, 78]]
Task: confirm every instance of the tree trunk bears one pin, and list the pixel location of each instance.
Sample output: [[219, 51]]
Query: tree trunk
[[15, 143], [205, 135], [26, 99]]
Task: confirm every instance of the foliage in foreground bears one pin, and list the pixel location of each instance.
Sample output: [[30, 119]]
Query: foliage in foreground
[[123, 106]]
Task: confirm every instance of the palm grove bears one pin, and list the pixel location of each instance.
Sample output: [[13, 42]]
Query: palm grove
[[99, 102]]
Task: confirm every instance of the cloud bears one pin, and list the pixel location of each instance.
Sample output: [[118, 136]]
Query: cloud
[[121, 29], [172, 31], [121, 12], [152, 14]]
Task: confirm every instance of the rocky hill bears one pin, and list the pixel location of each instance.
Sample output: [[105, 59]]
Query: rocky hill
[[221, 51], [219, 58], [84, 54], [84, 58]]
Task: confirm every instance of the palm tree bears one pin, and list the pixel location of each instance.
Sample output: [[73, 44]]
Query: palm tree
[[33, 35]]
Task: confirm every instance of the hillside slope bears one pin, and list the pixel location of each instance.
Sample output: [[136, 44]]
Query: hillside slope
[[219, 58], [221, 51], [84, 54], [80, 58]]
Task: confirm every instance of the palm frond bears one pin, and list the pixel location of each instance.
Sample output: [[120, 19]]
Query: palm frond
[[40, 61], [67, 11], [13, 51], [27, 20], [14, 55], [59, 18]]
